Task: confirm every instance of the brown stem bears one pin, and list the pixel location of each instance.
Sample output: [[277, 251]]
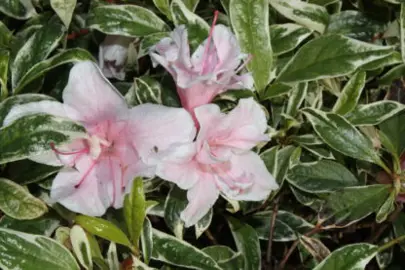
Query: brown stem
[[272, 224], [316, 229], [211, 237]]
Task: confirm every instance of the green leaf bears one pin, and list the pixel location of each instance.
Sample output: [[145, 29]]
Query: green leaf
[[250, 23], [354, 24], [32, 135], [342, 56], [247, 242], [147, 240], [64, 9], [277, 161], [287, 226], [171, 250], [18, 9], [112, 257], [402, 30], [125, 20], [226, 258], [26, 172], [315, 247], [197, 27], [81, 246], [149, 41], [275, 90], [39, 69], [349, 257], [31, 252], [18, 203], [176, 202], [374, 113], [394, 130], [191, 4], [36, 49], [135, 210], [312, 16], [202, 225], [286, 37], [103, 228], [351, 204], [399, 228], [45, 225], [387, 208], [340, 135], [350, 95], [12, 101], [4, 63], [164, 7], [296, 98], [5, 36], [320, 177], [393, 74]]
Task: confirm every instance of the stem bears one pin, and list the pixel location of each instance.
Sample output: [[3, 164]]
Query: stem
[[211, 237], [391, 243], [386, 169], [272, 224]]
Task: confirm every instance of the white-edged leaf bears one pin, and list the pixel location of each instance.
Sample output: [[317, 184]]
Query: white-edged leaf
[[342, 136], [125, 20], [286, 37], [112, 257], [202, 225], [250, 23], [164, 7], [374, 113], [312, 16], [4, 63], [402, 30], [137, 264], [32, 252], [18, 203], [81, 246], [36, 49], [176, 202], [67, 56], [45, 225], [349, 257], [296, 98], [171, 250], [18, 9], [32, 135], [226, 258], [147, 240], [64, 9], [197, 27], [342, 56], [350, 95], [247, 242], [320, 177]]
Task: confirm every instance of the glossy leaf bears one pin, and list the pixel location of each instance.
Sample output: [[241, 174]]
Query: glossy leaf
[[32, 135], [81, 246], [374, 113], [286, 37], [147, 240], [226, 258], [125, 20], [64, 9], [350, 95], [296, 98], [176, 202], [171, 250], [315, 247], [30, 252], [247, 242], [340, 135], [355, 256], [103, 228], [250, 23], [342, 56], [17, 9], [394, 130], [202, 225], [312, 16], [45, 225], [4, 63], [346, 206], [320, 177]]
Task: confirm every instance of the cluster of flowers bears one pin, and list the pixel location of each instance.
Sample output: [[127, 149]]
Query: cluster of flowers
[[197, 147]]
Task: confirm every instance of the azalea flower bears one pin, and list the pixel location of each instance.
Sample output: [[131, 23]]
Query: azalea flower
[[100, 167], [113, 54], [220, 161], [212, 69]]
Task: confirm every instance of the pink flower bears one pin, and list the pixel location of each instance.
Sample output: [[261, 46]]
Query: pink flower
[[220, 161], [100, 167], [212, 69]]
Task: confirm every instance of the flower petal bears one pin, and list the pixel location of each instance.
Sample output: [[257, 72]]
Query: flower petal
[[41, 107], [154, 128], [109, 175], [253, 167], [227, 48], [88, 95], [201, 198], [79, 189]]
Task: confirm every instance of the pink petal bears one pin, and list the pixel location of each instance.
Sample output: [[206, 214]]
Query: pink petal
[[154, 128], [227, 48], [88, 95], [110, 178], [198, 94], [251, 166], [88, 198], [201, 198]]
